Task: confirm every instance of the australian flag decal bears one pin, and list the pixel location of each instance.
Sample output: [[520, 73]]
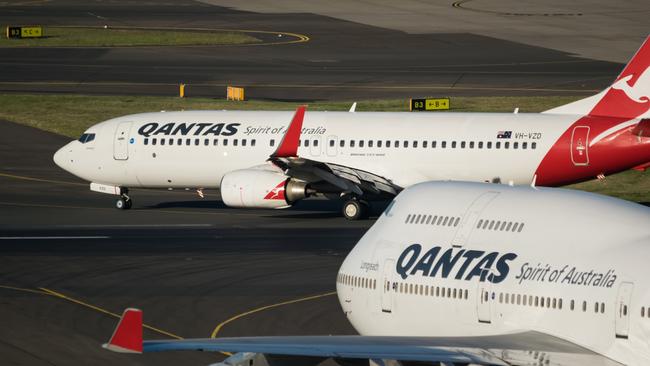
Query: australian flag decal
[[504, 134]]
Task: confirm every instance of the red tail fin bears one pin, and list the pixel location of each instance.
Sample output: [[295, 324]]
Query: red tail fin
[[127, 337], [628, 97]]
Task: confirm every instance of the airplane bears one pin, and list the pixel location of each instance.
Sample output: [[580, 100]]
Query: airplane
[[257, 160], [475, 273]]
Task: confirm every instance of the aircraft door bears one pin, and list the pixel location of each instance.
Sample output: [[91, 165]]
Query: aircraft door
[[471, 215], [580, 146], [332, 145], [121, 141], [623, 309], [484, 303], [388, 286], [315, 146]]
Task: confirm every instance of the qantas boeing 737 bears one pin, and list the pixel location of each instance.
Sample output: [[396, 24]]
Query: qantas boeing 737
[[257, 160], [480, 274]]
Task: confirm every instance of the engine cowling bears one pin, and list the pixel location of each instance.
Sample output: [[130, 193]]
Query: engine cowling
[[261, 188]]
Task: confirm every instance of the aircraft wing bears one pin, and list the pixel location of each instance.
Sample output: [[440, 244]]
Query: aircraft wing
[[499, 350], [346, 179]]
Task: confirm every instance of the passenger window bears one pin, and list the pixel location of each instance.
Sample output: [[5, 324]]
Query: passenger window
[[524, 145], [387, 143], [471, 144], [351, 143], [480, 144], [361, 143], [457, 221], [253, 142], [243, 142], [443, 144], [453, 144], [497, 145], [514, 227], [521, 227], [407, 218], [272, 142], [489, 144], [162, 141], [379, 143], [146, 141], [235, 142], [187, 142], [406, 144], [179, 142], [370, 143], [206, 142], [396, 143], [433, 144], [506, 145], [415, 144], [462, 145], [171, 141], [331, 143], [215, 142], [533, 145], [153, 141], [341, 143], [196, 142], [480, 222], [515, 145], [225, 142], [315, 143], [509, 225], [306, 143], [424, 144]]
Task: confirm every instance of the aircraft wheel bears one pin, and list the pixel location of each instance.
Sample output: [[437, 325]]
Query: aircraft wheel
[[355, 210], [123, 203]]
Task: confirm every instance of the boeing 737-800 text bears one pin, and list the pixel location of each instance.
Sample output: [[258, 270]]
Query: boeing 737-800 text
[[257, 160], [476, 273]]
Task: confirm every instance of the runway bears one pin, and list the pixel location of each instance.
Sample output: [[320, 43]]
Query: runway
[[190, 264], [343, 60]]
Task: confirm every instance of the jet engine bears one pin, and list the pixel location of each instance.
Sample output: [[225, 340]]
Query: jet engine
[[261, 188]]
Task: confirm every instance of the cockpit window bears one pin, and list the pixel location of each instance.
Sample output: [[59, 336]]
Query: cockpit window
[[86, 137]]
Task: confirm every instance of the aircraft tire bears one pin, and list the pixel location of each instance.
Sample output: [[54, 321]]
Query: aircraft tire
[[122, 203], [355, 210]]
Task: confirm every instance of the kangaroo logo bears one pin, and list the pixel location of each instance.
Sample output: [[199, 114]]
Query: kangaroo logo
[[637, 92], [276, 193]]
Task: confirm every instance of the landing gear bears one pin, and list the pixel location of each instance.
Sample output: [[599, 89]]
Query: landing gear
[[354, 209], [124, 202]]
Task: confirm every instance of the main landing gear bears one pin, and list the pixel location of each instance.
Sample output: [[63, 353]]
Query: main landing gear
[[124, 202], [355, 209]]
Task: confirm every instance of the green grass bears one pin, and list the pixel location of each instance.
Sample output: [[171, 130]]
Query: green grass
[[100, 37], [70, 115]]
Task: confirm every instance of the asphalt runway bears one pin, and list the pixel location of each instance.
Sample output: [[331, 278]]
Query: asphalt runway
[[342, 60], [68, 259]]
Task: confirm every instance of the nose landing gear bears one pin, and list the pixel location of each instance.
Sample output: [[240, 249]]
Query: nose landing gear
[[124, 202]]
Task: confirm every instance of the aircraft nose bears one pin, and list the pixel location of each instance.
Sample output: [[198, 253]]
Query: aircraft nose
[[61, 157]]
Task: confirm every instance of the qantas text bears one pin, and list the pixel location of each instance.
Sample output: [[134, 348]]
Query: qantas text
[[460, 264], [193, 129]]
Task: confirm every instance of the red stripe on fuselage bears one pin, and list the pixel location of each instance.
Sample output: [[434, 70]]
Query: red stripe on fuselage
[[620, 150]]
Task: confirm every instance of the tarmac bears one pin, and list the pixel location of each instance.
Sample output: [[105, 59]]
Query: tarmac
[[70, 262], [340, 59]]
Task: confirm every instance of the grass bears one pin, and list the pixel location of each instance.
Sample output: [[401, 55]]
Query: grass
[[100, 37], [70, 115]]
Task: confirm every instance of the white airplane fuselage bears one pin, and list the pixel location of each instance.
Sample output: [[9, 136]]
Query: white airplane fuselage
[[564, 263], [129, 151]]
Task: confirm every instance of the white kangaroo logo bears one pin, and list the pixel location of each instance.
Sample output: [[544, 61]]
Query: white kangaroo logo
[[641, 89]]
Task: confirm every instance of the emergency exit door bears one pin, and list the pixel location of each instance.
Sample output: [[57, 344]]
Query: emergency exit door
[[580, 146], [121, 141], [387, 286], [622, 309]]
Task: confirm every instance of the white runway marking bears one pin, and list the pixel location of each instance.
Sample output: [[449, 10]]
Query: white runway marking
[[51, 237]]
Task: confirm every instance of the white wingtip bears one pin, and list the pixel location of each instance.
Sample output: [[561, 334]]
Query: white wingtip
[[354, 107]]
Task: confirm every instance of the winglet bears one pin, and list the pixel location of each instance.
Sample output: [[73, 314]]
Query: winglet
[[127, 337], [289, 145]]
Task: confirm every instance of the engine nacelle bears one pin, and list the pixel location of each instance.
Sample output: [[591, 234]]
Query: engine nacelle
[[261, 188]]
